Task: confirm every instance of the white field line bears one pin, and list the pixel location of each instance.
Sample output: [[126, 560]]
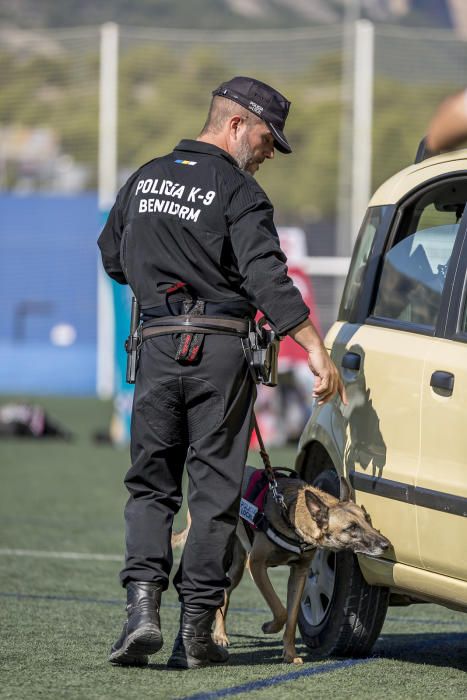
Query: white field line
[[59, 555], [46, 554]]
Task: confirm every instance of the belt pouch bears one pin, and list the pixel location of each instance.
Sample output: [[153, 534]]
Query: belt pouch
[[190, 343]]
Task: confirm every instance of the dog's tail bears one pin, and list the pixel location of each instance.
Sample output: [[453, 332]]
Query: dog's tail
[[179, 538]]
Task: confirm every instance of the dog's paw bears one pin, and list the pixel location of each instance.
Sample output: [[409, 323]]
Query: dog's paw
[[221, 639], [273, 626], [292, 659]]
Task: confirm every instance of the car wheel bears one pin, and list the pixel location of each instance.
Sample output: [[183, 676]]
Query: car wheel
[[340, 614]]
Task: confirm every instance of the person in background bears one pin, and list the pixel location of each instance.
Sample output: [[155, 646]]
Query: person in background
[[448, 127]]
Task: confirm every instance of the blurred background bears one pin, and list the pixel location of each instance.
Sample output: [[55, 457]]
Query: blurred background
[[89, 91]]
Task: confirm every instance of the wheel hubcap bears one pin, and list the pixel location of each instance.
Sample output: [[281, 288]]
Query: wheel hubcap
[[319, 587]]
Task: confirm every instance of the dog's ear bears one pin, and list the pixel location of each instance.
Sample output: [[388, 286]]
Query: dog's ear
[[318, 510], [366, 514], [345, 492]]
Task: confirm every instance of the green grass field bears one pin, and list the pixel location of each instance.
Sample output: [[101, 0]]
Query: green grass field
[[61, 606]]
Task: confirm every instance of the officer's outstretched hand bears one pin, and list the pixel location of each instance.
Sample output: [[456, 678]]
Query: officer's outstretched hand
[[328, 381]]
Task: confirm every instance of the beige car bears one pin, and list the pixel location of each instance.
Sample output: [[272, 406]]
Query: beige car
[[400, 342]]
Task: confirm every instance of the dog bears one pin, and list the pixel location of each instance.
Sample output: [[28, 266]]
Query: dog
[[313, 519]]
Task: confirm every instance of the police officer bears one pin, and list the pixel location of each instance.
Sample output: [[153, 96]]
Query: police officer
[[192, 233]]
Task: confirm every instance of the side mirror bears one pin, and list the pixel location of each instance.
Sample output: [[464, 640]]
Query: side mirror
[[422, 152]]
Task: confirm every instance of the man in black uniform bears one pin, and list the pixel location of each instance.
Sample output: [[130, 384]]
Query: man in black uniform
[[192, 233]]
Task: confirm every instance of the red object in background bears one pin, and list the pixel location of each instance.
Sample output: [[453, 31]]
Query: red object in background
[[290, 355], [290, 351]]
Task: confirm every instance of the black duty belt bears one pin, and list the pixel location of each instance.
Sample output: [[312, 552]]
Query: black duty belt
[[195, 324], [192, 326]]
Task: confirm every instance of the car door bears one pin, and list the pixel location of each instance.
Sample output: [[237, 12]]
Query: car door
[[441, 483], [383, 434], [383, 362]]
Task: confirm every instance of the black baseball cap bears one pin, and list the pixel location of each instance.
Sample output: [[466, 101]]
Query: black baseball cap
[[262, 100]]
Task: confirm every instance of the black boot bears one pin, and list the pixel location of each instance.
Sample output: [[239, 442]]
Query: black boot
[[194, 646], [141, 633]]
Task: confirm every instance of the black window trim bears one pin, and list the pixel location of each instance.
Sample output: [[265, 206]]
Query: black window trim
[[370, 292], [455, 311], [360, 309], [394, 324]]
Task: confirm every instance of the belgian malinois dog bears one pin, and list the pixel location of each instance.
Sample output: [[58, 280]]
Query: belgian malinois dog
[[314, 518]]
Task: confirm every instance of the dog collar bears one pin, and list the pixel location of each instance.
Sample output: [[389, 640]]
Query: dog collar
[[298, 546]]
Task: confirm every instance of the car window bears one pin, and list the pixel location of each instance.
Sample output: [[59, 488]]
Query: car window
[[360, 256], [415, 267]]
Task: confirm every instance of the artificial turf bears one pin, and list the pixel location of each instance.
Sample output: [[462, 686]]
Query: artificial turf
[[59, 615]]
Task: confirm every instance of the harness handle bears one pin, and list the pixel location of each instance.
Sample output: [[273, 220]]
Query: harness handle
[[271, 477]]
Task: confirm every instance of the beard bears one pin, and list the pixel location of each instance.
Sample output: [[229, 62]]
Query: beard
[[245, 157]]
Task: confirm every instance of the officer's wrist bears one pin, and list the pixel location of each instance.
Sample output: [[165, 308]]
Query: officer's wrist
[[306, 335]]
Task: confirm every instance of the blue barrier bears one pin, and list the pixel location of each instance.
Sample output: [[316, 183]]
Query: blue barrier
[[48, 287]]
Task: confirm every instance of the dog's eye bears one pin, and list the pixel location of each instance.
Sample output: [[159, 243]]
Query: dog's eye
[[351, 528]]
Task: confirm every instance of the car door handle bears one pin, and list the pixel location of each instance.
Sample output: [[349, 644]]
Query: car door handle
[[442, 380], [351, 360]]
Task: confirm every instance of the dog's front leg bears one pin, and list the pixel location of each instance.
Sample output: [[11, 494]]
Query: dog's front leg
[[258, 567], [295, 586]]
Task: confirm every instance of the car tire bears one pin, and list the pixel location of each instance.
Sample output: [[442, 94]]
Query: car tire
[[340, 613]]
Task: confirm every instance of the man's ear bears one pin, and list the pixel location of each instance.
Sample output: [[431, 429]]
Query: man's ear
[[345, 492], [235, 123], [318, 510]]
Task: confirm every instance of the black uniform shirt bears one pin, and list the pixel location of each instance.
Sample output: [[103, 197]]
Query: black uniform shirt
[[193, 216]]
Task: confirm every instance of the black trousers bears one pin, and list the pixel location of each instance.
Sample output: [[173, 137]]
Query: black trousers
[[201, 415]]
